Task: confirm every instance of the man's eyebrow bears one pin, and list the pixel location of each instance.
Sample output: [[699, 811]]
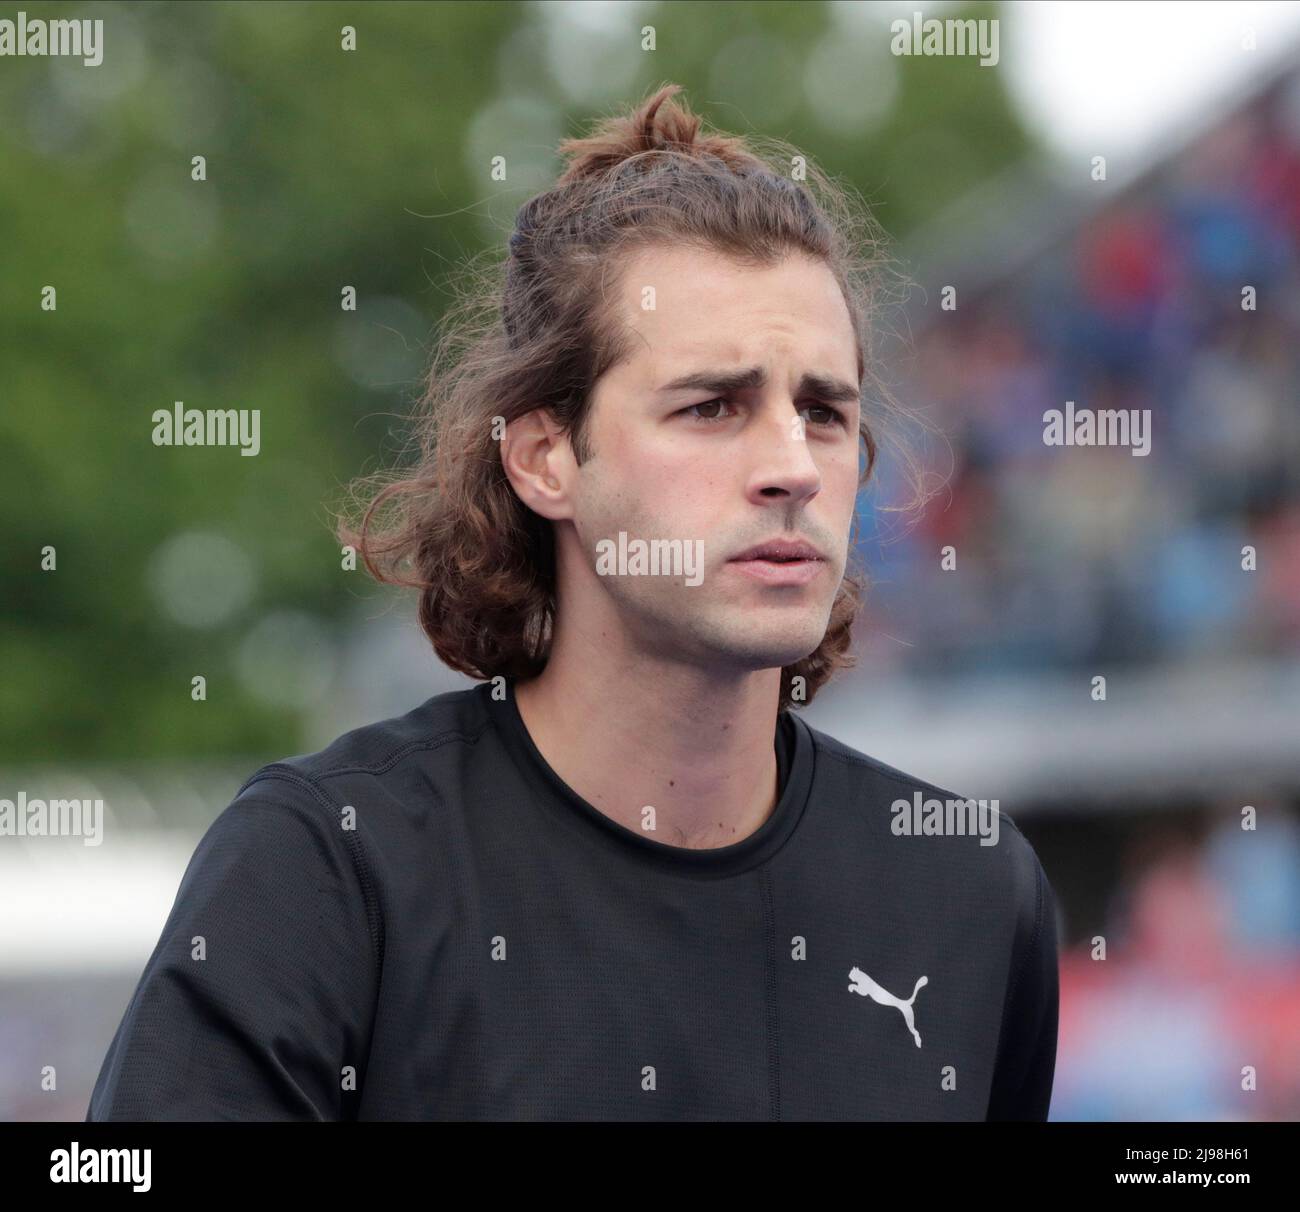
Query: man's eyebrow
[[753, 377]]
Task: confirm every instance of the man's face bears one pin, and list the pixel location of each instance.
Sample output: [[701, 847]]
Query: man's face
[[772, 459]]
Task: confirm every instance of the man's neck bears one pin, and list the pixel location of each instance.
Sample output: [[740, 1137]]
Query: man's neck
[[697, 750]]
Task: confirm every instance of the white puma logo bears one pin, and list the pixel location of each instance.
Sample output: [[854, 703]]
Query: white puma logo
[[864, 985]]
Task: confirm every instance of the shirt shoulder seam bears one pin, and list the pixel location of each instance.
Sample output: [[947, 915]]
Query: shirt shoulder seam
[[379, 767]]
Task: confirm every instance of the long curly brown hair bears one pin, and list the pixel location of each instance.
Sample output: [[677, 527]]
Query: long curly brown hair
[[533, 330]]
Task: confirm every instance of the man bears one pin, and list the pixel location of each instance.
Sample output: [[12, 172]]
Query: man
[[621, 878]]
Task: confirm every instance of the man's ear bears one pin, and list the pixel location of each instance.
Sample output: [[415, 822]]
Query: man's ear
[[538, 460]]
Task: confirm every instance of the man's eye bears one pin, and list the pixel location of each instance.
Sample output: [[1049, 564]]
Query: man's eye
[[706, 404], [836, 416]]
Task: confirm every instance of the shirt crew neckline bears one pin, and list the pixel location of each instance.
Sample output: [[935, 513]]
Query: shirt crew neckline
[[740, 856]]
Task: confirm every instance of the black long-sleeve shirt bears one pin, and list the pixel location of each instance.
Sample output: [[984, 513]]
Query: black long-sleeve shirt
[[423, 921]]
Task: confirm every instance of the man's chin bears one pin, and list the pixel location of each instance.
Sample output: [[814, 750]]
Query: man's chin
[[739, 638], [749, 652]]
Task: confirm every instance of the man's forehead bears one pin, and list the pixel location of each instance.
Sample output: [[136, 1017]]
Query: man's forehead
[[728, 364], [683, 317]]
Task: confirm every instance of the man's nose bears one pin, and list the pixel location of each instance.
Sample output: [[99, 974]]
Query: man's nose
[[782, 463]]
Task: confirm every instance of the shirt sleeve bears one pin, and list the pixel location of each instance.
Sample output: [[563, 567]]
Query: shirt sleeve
[[1026, 1059], [260, 993]]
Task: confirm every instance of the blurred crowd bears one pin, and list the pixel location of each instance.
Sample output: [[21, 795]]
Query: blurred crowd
[[1192, 1009], [1073, 557]]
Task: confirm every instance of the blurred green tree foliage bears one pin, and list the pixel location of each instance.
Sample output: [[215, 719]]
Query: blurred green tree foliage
[[325, 168]]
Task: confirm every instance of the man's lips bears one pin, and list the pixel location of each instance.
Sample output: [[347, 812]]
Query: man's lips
[[781, 549], [779, 572]]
